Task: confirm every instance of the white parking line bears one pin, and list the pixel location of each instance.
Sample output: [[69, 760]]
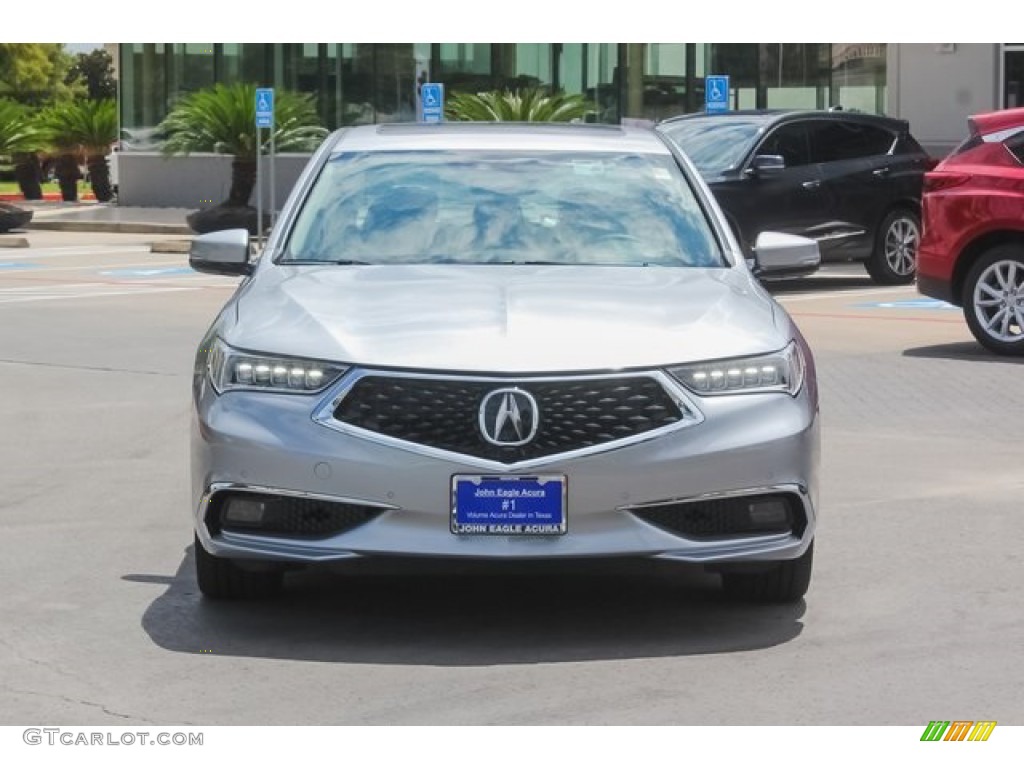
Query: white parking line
[[79, 291], [837, 294], [85, 250], [120, 265]]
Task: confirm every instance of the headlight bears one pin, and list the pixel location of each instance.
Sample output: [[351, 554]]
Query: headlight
[[777, 372], [230, 369]]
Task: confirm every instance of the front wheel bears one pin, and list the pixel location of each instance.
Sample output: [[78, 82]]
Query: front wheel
[[894, 259], [993, 299], [784, 582]]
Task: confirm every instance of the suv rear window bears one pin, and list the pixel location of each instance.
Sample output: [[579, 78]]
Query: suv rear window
[[1016, 146], [969, 143], [835, 140]]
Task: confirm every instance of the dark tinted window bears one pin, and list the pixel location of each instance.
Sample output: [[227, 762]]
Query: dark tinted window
[[834, 140], [907, 145], [1016, 146], [790, 141], [966, 145]]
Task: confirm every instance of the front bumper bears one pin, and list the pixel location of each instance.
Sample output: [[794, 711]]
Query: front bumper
[[749, 444]]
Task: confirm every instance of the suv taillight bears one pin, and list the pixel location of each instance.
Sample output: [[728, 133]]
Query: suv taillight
[[937, 180]]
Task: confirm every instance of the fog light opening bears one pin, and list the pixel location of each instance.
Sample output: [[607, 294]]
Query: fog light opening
[[246, 512], [770, 513]]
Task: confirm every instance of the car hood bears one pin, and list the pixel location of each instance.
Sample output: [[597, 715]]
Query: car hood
[[504, 318]]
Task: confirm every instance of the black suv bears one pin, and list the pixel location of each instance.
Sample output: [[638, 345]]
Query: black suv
[[849, 180]]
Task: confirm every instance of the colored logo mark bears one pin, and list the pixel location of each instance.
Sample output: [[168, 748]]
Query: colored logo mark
[[958, 730]]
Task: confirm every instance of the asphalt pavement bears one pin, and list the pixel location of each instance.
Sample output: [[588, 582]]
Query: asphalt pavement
[[915, 611]]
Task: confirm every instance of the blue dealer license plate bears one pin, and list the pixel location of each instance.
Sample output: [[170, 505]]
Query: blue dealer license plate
[[509, 506]]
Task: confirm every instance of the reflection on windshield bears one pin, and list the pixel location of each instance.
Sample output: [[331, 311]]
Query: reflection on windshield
[[714, 144], [503, 207]]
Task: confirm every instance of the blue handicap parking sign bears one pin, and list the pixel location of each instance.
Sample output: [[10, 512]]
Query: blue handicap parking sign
[[264, 107], [716, 93], [432, 102]]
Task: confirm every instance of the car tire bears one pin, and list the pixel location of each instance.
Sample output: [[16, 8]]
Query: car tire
[[894, 258], [784, 582], [221, 579], [993, 299]]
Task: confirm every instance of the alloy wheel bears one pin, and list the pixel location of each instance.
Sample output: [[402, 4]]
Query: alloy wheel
[[998, 300], [900, 245]]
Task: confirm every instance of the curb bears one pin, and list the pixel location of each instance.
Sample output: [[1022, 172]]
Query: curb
[[122, 227], [13, 242], [171, 246]]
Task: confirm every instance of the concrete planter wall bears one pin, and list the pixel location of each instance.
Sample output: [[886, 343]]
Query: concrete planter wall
[[196, 181]]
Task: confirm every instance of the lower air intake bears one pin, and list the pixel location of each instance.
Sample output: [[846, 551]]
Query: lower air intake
[[725, 518]]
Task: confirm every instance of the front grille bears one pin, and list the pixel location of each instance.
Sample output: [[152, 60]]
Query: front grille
[[723, 518], [572, 413], [290, 516]]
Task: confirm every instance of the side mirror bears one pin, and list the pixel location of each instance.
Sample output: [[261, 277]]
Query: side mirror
[[766, 165], [777, 254], [221, 253]]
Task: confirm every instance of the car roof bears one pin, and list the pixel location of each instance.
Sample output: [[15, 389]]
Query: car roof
[[578, 137], [772, 116]]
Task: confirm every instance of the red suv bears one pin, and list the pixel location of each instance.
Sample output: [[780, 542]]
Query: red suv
[[972, 249]]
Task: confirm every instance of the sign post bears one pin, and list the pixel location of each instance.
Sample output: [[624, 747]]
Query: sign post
[[432, 100], [716, 93], [264, 119]]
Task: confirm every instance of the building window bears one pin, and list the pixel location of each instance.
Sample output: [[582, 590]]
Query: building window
[[1013, 75], [357, 83]]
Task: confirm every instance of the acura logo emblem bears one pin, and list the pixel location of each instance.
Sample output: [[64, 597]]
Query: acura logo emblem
[[509, 417]]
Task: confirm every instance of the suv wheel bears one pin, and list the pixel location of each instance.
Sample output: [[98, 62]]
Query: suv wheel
[[993, 299], [894, 260], [221, 579], [784, 582]]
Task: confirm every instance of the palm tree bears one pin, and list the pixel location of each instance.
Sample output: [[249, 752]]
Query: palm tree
[[20, 139], [222, 119], [530, 105], [83, 129]]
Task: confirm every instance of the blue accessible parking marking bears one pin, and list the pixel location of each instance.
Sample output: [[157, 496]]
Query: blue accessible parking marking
[[910, 304], [149, 272]]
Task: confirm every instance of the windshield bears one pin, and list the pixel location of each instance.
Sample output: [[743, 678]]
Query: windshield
[[715, 144], [503, 207]]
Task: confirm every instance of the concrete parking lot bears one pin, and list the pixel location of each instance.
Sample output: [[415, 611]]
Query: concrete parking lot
[[915, 612]]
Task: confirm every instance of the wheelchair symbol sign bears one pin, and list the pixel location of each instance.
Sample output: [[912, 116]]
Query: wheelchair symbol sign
[[716, 93], [432, 101], [264, 107]]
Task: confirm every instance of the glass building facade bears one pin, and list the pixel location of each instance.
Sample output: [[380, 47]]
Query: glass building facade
[[1013, 75], [356, 83]]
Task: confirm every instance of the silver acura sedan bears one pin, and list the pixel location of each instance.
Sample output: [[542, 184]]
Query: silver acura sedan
[[500, 341]]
